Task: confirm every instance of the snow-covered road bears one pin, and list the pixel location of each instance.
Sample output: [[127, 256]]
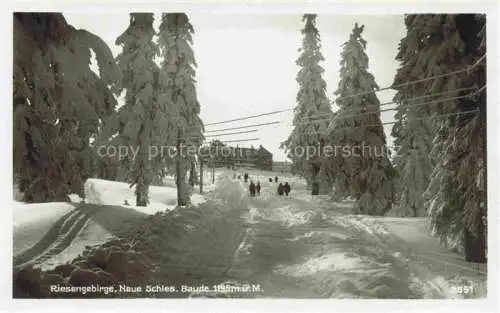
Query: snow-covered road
[[293, 247], [302, 247]]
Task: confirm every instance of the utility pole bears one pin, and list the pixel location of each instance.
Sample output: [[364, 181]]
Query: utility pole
[[213, 172], [201, 176], [178, 166], [192, 174]]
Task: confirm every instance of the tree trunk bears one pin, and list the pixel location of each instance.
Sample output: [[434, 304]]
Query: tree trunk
[[182, 194], [141, 193], [363, 187], [415, 212], [475, 246], [142, 184], [315, 189], [325, 183], [314, 178], [321, 174]]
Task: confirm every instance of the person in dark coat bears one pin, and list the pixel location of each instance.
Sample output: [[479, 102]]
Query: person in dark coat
[[258, 188], [276, 179], [280, 189], [252, 189], [286, 188], [270, 180], [246, 177]]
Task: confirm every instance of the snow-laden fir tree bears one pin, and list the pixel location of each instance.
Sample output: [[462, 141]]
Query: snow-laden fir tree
[[412, 161], [413, 133], [361, 164], [58, 104], [139, 127], [313, 112], [457, 193], [430, 50], [177, 92], [86, 95]]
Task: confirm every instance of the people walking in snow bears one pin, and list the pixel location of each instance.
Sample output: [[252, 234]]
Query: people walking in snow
[[252, 189], [270, 180], [276, 179], [280, 189], [287, 188], [258, 188], [246, 177]]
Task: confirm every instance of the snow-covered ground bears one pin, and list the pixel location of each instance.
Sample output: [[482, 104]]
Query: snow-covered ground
[[31, 221], [99, 191], [296, 246], [48, 234], [304, 246]]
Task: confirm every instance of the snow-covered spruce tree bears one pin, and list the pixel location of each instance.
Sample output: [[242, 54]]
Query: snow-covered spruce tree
[[412, 160], [469, 150], [86, 97], [177, 90], [430, 49], [362, 166], [58, 103], [413, 133], [313, 112], [457, 192], [140, 123]]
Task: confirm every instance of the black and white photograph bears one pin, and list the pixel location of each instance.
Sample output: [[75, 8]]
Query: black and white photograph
[[242, 155]]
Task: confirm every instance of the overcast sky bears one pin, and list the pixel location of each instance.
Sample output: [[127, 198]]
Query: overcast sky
[[246, 63]]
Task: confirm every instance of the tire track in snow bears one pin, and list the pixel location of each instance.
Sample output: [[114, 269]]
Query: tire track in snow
[[58, 237]]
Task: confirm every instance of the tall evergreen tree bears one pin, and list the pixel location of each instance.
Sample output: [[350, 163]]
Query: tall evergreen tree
[[58, 104], [137, 123], [433, 47], [177, 90], [313, 112], [363, 169], [456, 193], [413, 133]]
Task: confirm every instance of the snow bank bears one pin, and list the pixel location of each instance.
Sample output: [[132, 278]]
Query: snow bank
[[198, 241], [32, 221], [99, 191]]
